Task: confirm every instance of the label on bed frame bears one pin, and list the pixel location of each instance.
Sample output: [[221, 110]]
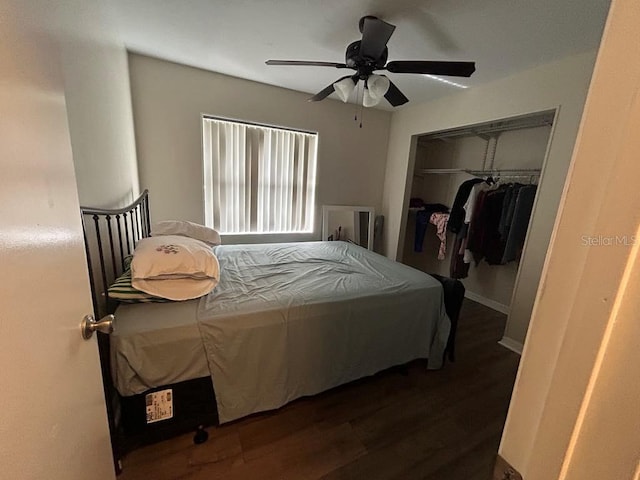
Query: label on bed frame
[[159, 405]]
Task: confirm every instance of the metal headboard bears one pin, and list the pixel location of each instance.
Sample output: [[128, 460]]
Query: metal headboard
[[110, 235]]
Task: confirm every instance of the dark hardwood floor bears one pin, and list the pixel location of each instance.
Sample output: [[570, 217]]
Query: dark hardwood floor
[[400, 424]]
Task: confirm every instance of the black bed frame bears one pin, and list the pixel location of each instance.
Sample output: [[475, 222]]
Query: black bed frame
[[110, 235]]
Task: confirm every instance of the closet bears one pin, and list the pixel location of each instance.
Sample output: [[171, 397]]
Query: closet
[[503, 156]]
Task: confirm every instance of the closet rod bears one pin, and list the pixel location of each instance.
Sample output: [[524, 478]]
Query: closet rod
[[511, 172], [507, 172]]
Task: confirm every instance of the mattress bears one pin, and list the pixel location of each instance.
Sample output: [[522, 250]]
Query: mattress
[[155, 344], [296, 319], [285, 321]]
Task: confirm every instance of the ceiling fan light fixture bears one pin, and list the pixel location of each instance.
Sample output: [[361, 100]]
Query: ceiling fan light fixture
[[377, 86], [344, 88], [369, 100]]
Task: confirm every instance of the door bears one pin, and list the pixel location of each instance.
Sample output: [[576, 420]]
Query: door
[[53, 422]]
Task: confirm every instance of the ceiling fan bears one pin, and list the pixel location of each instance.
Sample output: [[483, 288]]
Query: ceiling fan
[[369, 55]]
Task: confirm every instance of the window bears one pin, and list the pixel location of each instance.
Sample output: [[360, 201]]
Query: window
[[258, 179]]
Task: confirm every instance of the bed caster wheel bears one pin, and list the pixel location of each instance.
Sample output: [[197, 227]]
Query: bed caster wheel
[[201, 436]]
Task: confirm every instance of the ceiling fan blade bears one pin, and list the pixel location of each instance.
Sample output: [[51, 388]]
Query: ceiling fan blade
[[394, 96], [305, 63], [454, 69], [325, 92], [375, 35]]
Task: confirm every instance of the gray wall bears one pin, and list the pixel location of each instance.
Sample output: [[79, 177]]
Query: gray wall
[[168, 100], [99, 108]]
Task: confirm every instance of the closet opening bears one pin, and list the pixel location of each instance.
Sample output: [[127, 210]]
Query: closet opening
[[473, 201]]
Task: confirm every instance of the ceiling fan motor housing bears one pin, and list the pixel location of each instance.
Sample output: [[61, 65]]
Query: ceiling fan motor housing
[[364, 65]]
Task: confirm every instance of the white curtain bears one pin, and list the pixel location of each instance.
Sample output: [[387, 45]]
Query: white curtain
[[258, 179]]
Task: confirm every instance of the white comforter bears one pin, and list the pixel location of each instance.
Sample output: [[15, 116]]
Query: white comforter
[[289, 320]]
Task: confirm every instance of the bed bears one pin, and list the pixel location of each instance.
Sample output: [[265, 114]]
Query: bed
[[285, 321]]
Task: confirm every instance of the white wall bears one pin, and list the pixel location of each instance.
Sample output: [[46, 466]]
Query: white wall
[[525, 148], [560, 84], [99, 107], [168, 100]]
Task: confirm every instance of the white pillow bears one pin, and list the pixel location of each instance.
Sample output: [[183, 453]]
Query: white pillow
[[177, 289], [173, 256], [187, 229], [174, 267]]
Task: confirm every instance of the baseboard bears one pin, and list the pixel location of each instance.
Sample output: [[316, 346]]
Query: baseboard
[[512, 345], [487, 302]]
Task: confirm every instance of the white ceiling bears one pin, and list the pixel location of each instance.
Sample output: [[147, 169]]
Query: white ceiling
[[235, 37]]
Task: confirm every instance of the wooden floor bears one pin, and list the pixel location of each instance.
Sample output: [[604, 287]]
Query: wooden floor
[[416, 424]]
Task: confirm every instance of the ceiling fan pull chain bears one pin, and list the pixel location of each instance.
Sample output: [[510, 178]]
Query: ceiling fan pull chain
[[355, 117], [361, 106], [362, 102]]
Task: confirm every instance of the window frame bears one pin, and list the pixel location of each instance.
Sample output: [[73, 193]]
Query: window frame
[[313, 184]]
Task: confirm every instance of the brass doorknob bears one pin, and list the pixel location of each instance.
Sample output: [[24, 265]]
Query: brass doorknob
[[89, 325]]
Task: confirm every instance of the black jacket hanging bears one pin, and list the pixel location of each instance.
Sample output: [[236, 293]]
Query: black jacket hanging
[[456, 218]]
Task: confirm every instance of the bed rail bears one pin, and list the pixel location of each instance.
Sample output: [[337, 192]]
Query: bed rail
[[110, 235]]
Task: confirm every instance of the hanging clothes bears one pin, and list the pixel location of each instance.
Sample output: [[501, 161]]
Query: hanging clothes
[[520, 223], [469, 208], [476, 228], [458, 268], [499, 223], [462, 257], [493, 245], [484, 237], [423, 218], [416, 202], [508, 209], [440, 220], [456, 218], [493, 224]]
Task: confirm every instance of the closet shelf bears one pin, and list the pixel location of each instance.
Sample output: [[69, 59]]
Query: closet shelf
[[489, 129]]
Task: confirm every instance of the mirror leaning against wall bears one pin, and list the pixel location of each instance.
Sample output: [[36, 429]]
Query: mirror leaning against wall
[[353, 224]]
